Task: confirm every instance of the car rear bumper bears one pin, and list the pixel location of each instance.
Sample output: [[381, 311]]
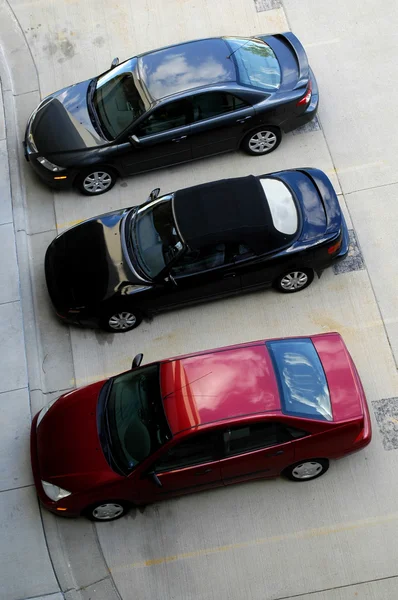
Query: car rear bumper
[[46, 502], [310, 112]]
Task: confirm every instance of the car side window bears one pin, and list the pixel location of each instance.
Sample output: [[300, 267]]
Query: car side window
[[242, 252], [195, 261], [253, 436], [196, 450], [168, 116], [213, 104]]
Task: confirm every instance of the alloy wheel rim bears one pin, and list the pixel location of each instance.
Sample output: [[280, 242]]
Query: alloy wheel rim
[[294, 280], [96, 182], [122, 320], [108, 511], [307, 470], [262, 141]]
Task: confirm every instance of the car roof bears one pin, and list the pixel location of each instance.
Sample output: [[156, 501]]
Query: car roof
[[186, 66], [229, 210], [218, 385]]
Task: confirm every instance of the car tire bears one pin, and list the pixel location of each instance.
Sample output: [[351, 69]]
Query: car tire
[[110, 510], [294, 280], [96, 181], [306, 470], [262, 141], [120, 319]]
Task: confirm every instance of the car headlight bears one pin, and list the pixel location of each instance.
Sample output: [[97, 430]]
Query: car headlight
[[44, 411], [54, 492], [31, 143], [49, 165]]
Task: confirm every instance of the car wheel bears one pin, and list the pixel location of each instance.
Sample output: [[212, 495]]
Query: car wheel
[[107, 511], [120, 320], [96, 181], [294, 280], [262, 141], [306, 470]]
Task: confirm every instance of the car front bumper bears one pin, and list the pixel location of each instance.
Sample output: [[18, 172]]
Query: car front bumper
[[54, 507], [61, 180]]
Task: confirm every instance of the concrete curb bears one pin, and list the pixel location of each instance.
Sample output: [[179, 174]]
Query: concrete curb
[[77, 564]]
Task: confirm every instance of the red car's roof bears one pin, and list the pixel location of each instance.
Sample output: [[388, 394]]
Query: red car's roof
[[240, 381], [218, 385]]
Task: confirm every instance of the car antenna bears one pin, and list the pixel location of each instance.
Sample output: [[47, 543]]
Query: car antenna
[[186, 385], [239, 47]]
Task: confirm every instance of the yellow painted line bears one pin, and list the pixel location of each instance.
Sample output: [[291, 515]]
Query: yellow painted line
[[352, 168], [297, 535], [68, 224]]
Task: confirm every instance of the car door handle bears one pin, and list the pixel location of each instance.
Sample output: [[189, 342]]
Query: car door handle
[[276, 453], [183, 137], [203, 472], [244, 119], [227, 275]]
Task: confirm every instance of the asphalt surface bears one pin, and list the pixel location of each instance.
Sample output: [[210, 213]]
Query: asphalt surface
[[331, 539]]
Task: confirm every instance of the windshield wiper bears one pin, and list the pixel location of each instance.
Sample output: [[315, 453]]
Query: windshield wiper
[[91, 110]]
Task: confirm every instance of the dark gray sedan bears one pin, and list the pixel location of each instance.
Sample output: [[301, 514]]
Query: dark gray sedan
[[171, 106]]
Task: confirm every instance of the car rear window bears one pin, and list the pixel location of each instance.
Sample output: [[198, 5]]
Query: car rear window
[[256, 63], [302, 383], [282, 206]]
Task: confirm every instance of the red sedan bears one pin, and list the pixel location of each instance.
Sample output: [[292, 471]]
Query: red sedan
[[218, 417]]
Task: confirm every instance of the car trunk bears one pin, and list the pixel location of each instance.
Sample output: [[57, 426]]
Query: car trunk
[[346, 393]]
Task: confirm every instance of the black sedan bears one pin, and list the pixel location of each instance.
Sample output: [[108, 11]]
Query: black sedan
[[170, 106], [196, 244]]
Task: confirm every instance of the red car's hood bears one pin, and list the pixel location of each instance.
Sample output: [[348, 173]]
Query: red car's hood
[[346, 393], [68, 446]]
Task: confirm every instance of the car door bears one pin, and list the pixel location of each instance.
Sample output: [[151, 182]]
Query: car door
[[255, 450], [257, 272], [197, 276], [219, 122], [190, 465], [159, 140]]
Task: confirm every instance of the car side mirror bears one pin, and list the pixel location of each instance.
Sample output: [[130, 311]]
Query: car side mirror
[[134, 140], [154, 194], [115, 62], [152, 475], [137, 360]]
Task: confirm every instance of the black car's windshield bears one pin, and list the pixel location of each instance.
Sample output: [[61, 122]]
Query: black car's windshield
[[256, 63], [154, 236], [117, 100], [136, 421]]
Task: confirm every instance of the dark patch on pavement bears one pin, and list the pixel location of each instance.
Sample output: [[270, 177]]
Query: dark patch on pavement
[[313, 125], [354, 260], [262, 5], [386, 413]]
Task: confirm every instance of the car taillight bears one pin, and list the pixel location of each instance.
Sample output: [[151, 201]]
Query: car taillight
[[308, 93], [360, 436], [335, 247]]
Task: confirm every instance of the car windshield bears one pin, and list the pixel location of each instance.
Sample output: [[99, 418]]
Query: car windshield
[[137, 425], [302, 383], [154, 236], [117, 100], [256, 63]]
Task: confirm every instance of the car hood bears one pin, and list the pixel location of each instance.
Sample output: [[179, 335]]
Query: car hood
[[86, 265], [68, 446], [62, 122]]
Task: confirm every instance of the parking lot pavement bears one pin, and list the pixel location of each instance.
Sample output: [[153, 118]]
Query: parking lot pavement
[[326, 540]]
